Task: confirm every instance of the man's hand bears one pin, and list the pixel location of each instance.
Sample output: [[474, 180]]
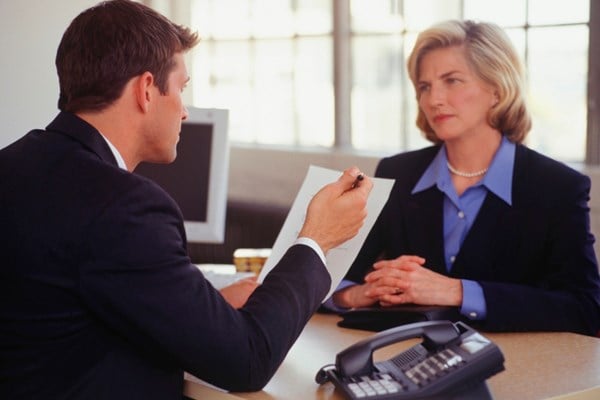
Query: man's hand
[[338, 210], [237, 293]]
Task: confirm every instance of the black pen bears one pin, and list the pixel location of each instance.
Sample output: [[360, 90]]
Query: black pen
[[359, 178]]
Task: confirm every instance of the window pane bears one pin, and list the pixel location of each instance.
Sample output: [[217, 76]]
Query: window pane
[[558, 11], [278, 85], [272, 18], [376, 93], [558, 76], [414, 138], [201, 17], [376, 16], [519, 40], [503, 13], [268, 79], [221, 18], [313, 17], [221, 79], [420, 14], [273, 92], [314, 104]]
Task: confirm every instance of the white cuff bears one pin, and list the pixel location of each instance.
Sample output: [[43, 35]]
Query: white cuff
[[313, 245]]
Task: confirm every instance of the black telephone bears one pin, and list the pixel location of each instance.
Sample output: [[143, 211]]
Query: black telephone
[[452, 360]]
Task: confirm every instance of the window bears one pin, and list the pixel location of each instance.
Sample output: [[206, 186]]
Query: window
[[271, 63]]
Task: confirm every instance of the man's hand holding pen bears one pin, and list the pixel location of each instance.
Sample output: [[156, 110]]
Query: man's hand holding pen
[[358, 179], [338, 210]]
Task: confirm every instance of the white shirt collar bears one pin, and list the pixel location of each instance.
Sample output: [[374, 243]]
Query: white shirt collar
[[498, 178], [115, 152]]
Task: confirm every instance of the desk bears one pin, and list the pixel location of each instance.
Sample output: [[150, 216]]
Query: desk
[[538, 365]]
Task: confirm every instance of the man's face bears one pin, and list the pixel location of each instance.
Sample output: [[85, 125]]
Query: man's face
[[161, 134]]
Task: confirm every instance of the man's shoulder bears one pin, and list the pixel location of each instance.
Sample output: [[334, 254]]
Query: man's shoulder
[[117, 183]]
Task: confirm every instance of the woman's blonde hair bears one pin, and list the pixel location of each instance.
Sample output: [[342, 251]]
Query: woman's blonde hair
[[493, 58]]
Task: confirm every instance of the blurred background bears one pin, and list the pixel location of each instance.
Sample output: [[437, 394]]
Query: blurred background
[[324, 82]]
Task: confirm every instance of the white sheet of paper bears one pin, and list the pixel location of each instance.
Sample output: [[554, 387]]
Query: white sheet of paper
[[339, 259]]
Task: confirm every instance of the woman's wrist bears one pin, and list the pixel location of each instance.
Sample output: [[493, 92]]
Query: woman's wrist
[[341, 298], [352, 297]]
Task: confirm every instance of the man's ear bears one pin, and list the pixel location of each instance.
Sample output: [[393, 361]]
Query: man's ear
[[143, 90]]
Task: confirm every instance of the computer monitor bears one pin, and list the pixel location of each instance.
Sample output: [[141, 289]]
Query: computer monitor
[[198, 177]]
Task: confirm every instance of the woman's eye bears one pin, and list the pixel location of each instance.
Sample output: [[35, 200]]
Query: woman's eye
[[422, 88]]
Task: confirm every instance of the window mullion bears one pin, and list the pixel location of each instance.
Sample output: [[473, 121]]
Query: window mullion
[[592, 156], [342, 73]]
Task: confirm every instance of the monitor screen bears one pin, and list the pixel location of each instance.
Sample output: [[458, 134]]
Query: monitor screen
[[198, 177]]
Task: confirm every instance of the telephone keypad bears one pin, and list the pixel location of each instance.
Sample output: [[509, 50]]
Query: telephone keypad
[[432, 367], [375, 385]]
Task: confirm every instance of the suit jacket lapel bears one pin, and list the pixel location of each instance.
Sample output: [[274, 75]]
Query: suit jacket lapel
[[494, 227], [487, 236], [424, 221]]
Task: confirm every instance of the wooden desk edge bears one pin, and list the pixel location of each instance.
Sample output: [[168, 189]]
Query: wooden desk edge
[[587, 394], [195, 390]]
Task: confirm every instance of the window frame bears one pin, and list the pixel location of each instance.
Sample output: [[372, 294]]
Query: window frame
[[342, 74], [592, 156], [342, 29]]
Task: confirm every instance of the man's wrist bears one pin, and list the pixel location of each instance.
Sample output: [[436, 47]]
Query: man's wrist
[[313, 245]]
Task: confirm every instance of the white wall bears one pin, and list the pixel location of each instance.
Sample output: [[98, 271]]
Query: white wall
[[29, 35]]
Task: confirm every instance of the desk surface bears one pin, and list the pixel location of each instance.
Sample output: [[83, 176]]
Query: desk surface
[[538, 365]]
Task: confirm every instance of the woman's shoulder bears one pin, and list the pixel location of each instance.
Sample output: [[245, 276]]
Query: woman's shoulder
[[540, 166], [410, 161], [549, 178]]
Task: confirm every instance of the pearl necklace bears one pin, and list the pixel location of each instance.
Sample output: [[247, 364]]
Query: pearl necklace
[[465, 174]]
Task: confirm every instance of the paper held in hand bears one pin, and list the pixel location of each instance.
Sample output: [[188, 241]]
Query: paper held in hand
[[339, 259]]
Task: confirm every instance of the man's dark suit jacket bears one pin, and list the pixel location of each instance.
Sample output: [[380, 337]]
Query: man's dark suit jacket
[[98, 298], [534, 260]]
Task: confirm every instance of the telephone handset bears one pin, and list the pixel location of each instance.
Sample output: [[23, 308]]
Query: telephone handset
[[451, 358]]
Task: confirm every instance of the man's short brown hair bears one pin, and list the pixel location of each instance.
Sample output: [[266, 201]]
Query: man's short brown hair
[[107, 45]]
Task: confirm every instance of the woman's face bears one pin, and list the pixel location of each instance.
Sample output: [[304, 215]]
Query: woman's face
[[454, 100]]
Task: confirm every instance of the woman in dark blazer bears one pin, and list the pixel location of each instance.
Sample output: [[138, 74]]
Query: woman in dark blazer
[[479, 221]]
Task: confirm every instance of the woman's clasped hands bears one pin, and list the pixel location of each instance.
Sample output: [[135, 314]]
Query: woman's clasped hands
[[403, 280]]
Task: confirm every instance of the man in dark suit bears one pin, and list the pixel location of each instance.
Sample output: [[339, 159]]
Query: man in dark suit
[[98, 298]]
